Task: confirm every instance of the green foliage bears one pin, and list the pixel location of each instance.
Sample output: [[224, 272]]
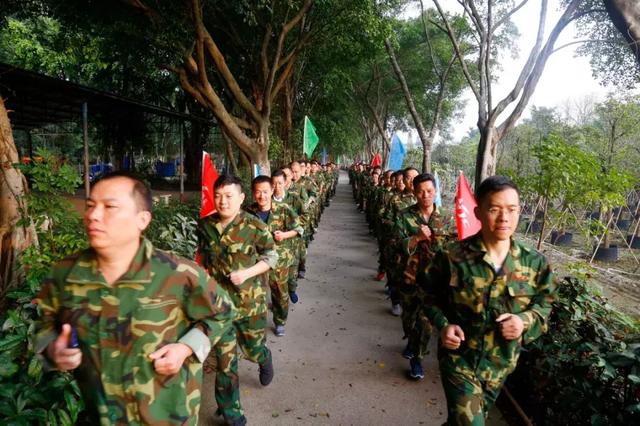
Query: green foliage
[[586, 369], [27, 394], [173, 227]]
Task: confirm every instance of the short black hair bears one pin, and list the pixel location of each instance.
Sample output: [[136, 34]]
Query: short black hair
[[260, 179], [406, 171], [396, 174], [423, 177], [141, 193], [494, 184], [226, 180], [279, 172]]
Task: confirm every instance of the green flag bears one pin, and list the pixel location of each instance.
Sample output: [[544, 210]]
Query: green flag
[[310, 137]]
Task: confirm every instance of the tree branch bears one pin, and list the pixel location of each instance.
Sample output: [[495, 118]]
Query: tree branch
[[508, 16]]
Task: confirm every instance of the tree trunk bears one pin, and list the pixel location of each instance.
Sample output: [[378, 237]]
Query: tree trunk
[[13, 239], [424, 137], [625, 15], [486, 154]]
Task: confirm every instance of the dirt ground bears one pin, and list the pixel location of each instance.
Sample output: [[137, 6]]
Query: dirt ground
[[340, 362]]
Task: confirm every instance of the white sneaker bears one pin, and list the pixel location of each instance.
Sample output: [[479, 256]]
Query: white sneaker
[[396, 310], [279, 330]]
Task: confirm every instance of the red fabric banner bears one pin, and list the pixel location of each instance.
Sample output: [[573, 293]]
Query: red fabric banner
[[209, 176], [466, 220], [376, 160]]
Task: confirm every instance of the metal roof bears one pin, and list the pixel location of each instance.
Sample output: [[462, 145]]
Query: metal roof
[[35, 100]]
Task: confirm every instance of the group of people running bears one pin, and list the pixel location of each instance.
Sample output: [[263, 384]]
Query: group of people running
[[487, 295], [135, 324]]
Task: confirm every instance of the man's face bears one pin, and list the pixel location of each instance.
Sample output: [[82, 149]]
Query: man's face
[[408, 179], [228, 200], [296, 172], [307, 169], [262, 193], [499, 213], [111, 218], [425, 192], [279, 186], [376, 179], [315, 168], [399, 184], [288, 180]]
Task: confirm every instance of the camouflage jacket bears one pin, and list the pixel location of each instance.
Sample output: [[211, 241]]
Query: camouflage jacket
[[398, 202], [310, 186], [299, 189], [294, 201], [162, 299], [282, 218], [243, 243], [461, 287], [406, 226]]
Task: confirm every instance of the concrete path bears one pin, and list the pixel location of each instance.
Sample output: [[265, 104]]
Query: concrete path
[[340, 362]]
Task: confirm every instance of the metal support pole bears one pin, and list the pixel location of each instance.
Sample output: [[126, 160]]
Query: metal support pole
[[85, 139], [181, 163]]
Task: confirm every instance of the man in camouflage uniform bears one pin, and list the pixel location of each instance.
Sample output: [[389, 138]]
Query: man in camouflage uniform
[[237, 248], [281, 180], [394, 268], [285, 227], [133, 322], [380, 228], [488, 295], [305, 187], [421, 230]]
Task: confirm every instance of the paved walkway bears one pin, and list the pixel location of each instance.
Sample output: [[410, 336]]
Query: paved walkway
[[340, 362]]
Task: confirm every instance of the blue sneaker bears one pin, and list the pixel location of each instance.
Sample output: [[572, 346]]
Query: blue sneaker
[[408, 353], [416, 372], [293, 297]]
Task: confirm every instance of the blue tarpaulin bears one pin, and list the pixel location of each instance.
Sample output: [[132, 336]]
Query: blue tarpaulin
[[166, 169], [396, 157]]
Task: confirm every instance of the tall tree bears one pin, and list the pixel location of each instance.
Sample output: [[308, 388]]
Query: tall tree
[[490, 21]]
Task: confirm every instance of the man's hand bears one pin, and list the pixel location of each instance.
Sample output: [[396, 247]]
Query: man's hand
[[237, 277], [58, 351], [278, 236], [451, 336], [169, 359], [511, 326], [424, 233]]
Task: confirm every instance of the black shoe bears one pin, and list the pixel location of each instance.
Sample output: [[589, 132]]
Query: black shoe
[[301, 275], [266, 370], [236, 421]]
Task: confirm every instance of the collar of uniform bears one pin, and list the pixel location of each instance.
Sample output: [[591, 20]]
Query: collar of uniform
[[85, 270], [477, 245], [215, 220]]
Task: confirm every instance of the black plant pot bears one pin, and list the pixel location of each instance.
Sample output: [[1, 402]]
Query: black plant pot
[[607, 254], [535, 227], [624, 224], [563, 239], [636, 241], [594, 215]]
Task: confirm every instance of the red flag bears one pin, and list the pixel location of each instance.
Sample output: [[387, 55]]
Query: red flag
[[209, 176], [376, 161], [466, 220]]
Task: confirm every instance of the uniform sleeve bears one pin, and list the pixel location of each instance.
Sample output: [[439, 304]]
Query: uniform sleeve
[[203, 245], [266, 246], [293, 222], [46, 331], [433, 281], [211, 310], [536, 316]]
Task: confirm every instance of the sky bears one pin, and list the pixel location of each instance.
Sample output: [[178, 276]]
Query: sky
[[566, 78]]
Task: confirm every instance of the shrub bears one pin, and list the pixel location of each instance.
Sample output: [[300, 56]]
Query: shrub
[[586, 370]]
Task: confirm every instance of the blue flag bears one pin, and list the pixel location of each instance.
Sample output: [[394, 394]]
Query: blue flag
[[324, 155], [396, 157], [438, 200]]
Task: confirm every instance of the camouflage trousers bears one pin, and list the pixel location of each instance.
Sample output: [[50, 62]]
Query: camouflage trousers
[[249, 334], [278, 283], [469, 398], [302, 258], [415, 324], [292, 279]]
